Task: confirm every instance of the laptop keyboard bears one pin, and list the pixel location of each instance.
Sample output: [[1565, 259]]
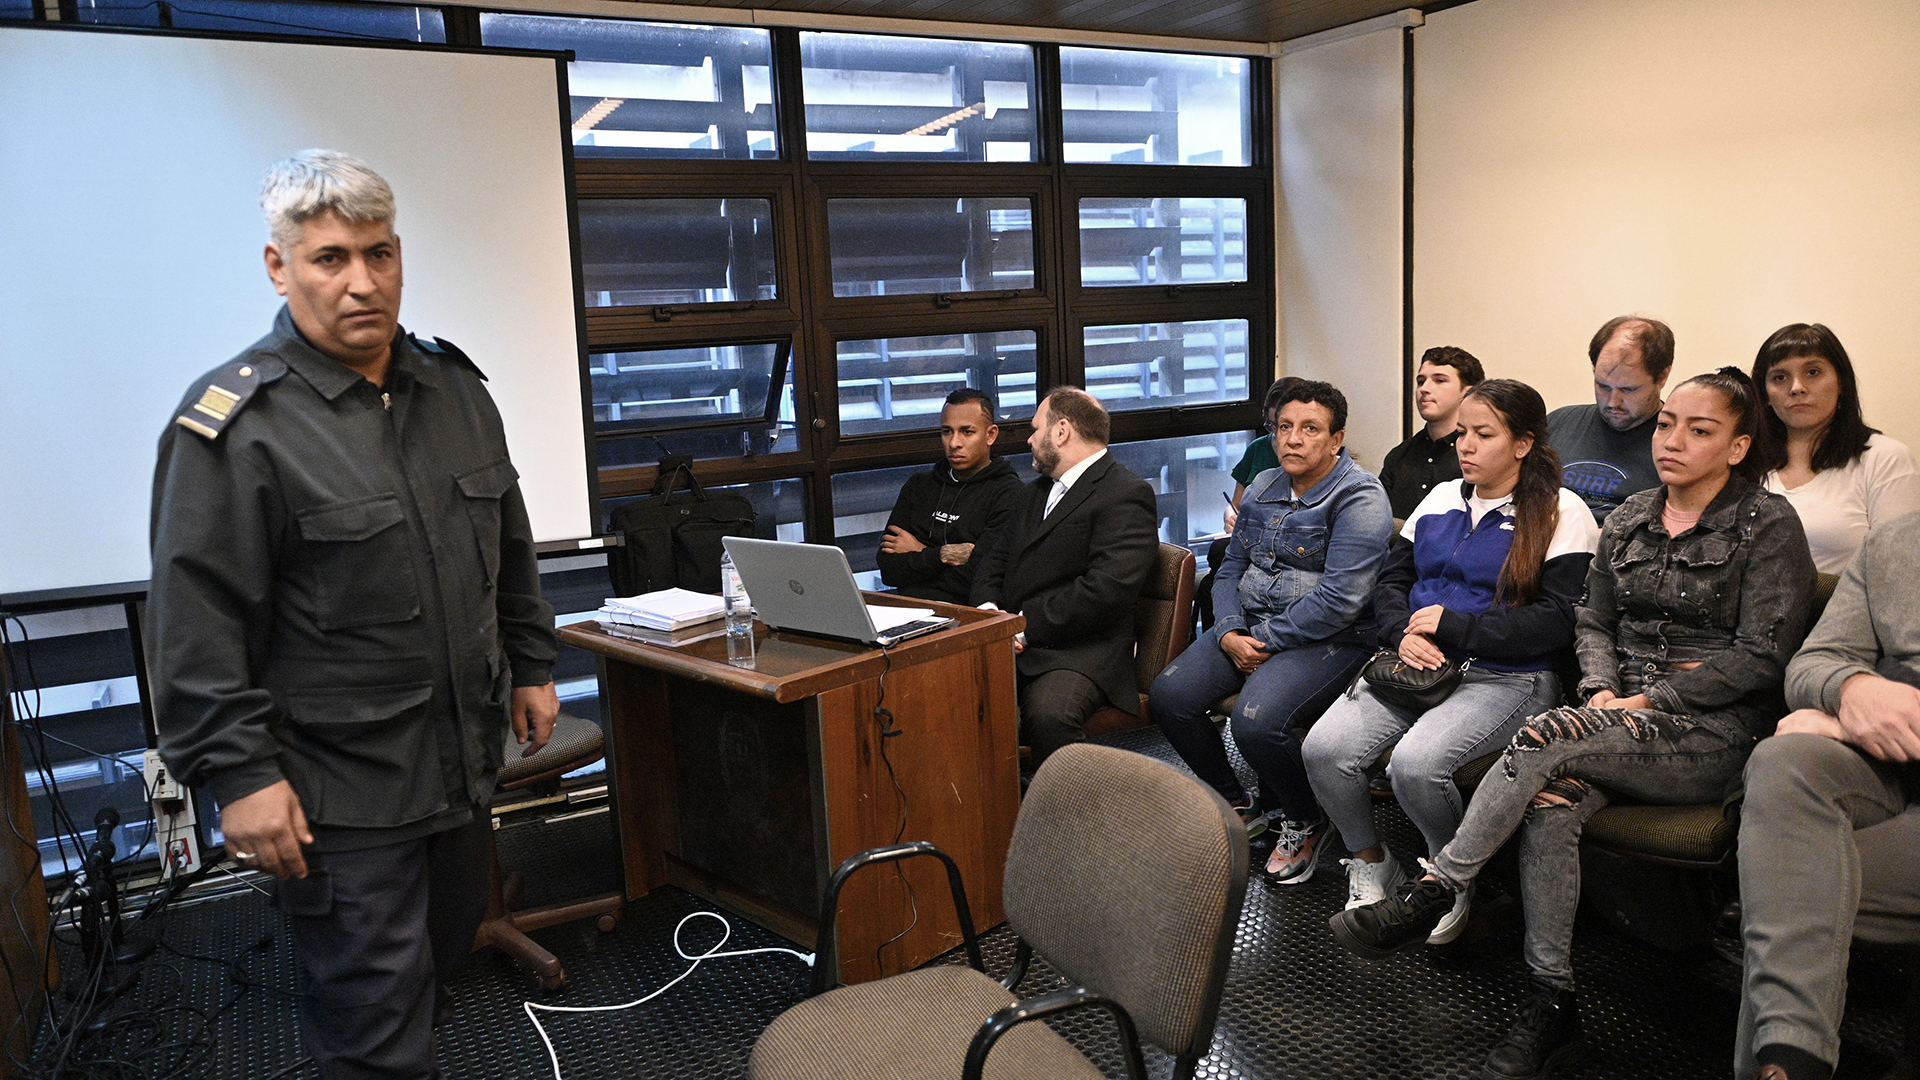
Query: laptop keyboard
[[909, 629]]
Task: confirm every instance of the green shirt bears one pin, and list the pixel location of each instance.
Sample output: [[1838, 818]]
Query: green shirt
[[1258, 459]]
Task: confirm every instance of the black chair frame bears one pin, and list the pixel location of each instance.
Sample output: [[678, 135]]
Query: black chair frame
[[1004, 1019]]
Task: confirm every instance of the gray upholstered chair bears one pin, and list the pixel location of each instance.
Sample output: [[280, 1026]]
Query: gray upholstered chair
[[1160, 857], [575, 743]]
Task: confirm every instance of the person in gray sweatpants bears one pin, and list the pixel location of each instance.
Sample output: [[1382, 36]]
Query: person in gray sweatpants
[[1830, 835]]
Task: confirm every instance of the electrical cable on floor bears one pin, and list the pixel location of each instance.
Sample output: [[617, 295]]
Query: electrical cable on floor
[[713, 953], [96, 1026], [887, 731]]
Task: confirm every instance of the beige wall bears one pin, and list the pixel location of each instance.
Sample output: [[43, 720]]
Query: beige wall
[[1342, 134], [1728, 166]]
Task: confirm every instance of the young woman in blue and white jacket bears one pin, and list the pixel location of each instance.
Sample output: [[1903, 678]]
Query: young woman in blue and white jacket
[[1487, 570]]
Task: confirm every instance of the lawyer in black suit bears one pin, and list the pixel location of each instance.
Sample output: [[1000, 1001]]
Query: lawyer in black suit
[[1075, 573]]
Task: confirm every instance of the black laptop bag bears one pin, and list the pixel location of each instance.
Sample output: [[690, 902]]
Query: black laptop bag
[[673, 535]]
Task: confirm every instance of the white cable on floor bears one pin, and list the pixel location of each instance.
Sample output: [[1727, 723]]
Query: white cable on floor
[[711, 954]]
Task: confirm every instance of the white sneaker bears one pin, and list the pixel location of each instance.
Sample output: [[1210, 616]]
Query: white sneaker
[[1454, 922], [1372, 882]]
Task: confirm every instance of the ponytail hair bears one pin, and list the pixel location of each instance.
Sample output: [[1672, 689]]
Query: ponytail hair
[[1536, 497], [1750, 411]]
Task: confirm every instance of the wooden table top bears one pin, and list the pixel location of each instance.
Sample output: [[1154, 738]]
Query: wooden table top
[[792, 667]]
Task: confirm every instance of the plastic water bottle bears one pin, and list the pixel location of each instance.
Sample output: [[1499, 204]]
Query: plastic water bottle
[[739, 614]]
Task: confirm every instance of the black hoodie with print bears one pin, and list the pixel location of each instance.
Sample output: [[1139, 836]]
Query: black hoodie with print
[[939, 508]]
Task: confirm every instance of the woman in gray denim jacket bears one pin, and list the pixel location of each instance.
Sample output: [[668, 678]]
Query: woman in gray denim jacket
[[1695, 601]]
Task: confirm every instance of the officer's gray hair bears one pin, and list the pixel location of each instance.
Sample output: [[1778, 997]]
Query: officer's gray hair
[[313, 182]]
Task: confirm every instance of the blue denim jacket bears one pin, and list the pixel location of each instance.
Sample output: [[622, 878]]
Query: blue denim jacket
[[1302, 570]]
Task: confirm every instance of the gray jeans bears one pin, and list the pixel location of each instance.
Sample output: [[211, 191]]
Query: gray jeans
[[1584, 757], [1478, 719], [1829, 849]]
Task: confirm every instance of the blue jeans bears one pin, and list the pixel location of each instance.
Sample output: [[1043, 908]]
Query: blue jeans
[[1477, 720], [1290, 689]]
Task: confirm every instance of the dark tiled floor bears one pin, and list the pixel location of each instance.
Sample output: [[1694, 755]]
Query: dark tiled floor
[[1296, 1006]]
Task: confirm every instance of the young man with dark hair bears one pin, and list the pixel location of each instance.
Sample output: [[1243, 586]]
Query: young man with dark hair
[[1073, 560], [1606, 449], [946, 514], [1427, 458]]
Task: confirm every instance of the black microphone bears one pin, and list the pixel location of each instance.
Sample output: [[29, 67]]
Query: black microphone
[[104, 822]]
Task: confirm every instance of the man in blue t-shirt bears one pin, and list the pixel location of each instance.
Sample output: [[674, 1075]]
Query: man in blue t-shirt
[[1606, 449]]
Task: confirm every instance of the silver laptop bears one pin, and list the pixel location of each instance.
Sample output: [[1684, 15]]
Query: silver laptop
[[809, 588]]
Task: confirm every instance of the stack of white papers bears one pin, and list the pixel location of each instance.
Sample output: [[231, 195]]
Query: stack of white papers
[[668, 609]]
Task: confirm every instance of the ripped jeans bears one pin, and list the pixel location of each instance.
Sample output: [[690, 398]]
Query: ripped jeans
[[1561, 769]]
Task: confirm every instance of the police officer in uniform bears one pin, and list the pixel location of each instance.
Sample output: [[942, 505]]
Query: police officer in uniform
[[344, 618]]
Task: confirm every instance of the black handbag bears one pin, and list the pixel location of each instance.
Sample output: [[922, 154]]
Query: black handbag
[[673, 534], [1399, 684]]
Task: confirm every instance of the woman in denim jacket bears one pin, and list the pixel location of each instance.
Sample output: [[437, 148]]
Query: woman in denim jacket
[[1696, 599], [1292, 627]]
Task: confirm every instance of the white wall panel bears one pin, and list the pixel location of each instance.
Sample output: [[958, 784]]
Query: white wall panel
[[1728, 166], [1342, 130]]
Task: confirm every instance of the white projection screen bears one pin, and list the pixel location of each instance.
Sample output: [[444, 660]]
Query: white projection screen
[[130, 258]]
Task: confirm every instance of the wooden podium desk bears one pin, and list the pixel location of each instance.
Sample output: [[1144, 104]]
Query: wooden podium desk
[[747, 786]]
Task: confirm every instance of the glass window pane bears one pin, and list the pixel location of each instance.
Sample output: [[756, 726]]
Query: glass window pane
[[862, 502], [886, 246], [676, 251], [1162, 241], [888, 97], [16, 9], [657, 89], [1190, 475], [1155, 108], [386, 21], [720, 391], [1156, 365], [900, 384]]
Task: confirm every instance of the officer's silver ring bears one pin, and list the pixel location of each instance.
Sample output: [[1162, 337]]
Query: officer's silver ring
[[244, 856]]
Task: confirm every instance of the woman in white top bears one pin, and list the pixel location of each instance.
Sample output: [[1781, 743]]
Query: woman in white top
[[1841, 476]]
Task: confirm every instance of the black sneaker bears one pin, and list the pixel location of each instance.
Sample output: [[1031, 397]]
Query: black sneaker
[[1403, 919], [1548, 1033]]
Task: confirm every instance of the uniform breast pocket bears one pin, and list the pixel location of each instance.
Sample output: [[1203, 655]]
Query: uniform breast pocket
[[361, 563], [482, 490]]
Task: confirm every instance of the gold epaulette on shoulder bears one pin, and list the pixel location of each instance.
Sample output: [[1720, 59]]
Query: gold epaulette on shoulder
[[225, 395]]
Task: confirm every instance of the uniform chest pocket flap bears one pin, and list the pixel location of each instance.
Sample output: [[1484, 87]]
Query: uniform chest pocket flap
[[361, 565], [483, 488]]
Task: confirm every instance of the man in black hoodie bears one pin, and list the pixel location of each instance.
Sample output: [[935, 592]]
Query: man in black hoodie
[[947, 512]]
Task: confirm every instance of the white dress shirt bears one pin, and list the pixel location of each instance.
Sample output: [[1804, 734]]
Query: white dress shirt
[[1068, 478]]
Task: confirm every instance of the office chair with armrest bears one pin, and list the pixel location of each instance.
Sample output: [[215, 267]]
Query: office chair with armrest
[[1158, 855], [1163, 621], [576, 743]]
